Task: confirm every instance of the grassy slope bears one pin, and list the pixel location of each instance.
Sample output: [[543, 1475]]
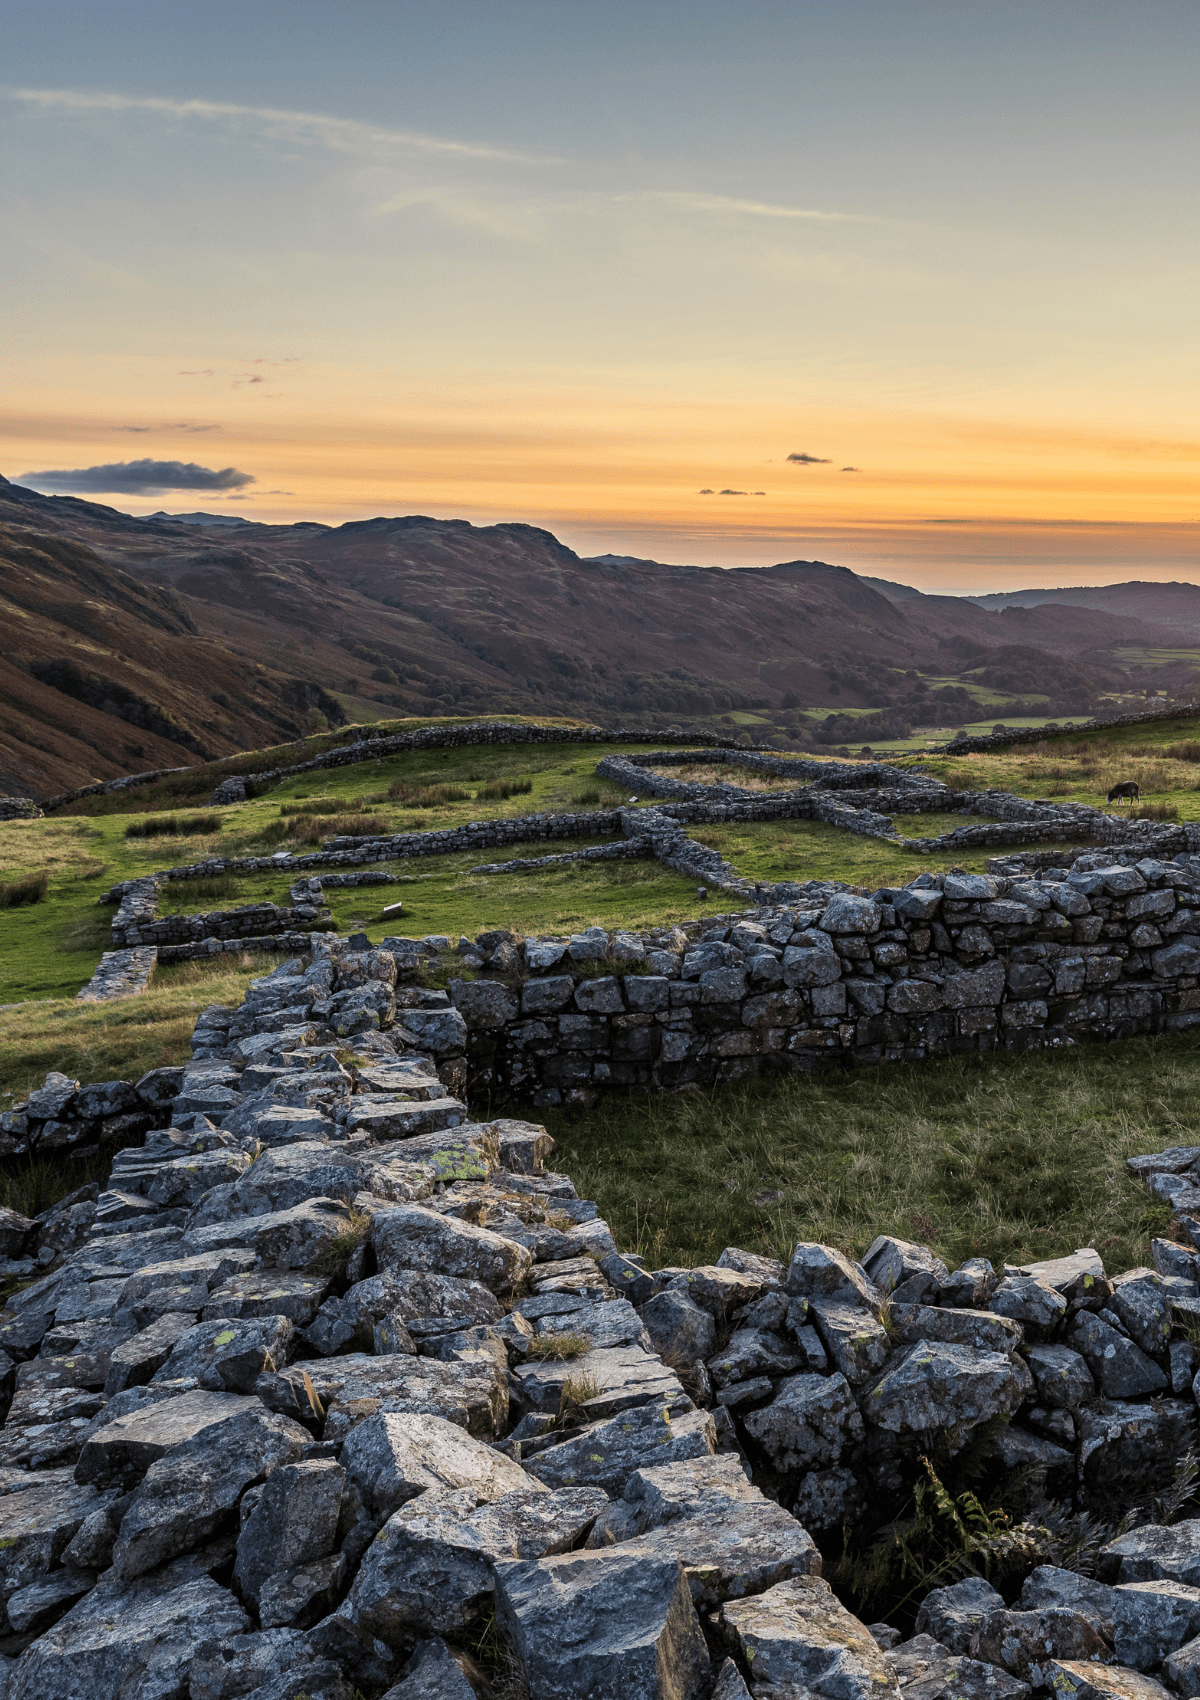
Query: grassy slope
[[1082, 766], [1010, 1158], [117, 1041], [1007, 1157], [51, 948]]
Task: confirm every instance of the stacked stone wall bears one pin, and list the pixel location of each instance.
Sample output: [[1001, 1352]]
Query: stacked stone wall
[[952, 964], [239, 786], [1035, 734]]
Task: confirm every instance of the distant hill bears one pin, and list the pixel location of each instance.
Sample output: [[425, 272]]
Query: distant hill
[[198, 519], [894, 592], [434, 616], [103, 674], [1175, 604]]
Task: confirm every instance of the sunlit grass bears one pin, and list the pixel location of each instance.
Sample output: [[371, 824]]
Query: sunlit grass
[[121, 1040]]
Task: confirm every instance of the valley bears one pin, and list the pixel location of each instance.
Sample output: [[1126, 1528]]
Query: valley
[[139, 644]]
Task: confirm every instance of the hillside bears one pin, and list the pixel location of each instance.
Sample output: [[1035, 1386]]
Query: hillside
[[440, 617], [102, 674]]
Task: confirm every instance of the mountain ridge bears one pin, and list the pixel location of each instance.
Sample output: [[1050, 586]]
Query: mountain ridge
[[433, 616]]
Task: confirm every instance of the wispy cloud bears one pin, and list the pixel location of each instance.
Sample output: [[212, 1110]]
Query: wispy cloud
[[143, 430], [810, 460], [138, 478], [340, 135], [699, 202]]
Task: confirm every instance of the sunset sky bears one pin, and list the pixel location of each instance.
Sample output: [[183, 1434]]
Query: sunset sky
[[579, 263]]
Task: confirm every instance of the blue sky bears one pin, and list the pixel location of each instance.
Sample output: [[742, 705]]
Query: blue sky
[[576, 264]]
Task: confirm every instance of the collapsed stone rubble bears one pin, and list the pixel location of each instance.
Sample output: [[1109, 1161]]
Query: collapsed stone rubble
[[331, 1376]]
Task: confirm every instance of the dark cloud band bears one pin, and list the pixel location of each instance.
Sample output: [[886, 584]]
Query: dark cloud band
[[138, 478]]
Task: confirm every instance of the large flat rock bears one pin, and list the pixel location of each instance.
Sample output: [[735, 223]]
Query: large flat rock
[[392, 1457], [606, 1454], [133, 1639], [120, 1452], [730, 1539], [798, 1637], [619, 1622], [355, 1387], [431, 1570], [187, 1494], [602, 1382]]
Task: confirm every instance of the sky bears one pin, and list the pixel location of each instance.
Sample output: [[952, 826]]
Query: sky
[[907, 286]]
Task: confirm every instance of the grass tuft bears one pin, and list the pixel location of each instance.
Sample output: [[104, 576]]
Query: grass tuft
[[173, 826], [337, 1251], [18, 894], [412, 796], [558, 1346], [313, 829], [577, 1390], [498, 790]]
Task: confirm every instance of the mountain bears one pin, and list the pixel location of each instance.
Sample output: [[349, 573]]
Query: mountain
[[441, 616], [1175, 604], [103, 674], [894, 592], [199, 519]]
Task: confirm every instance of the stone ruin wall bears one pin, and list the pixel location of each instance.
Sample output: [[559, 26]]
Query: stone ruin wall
[[278, 1408], [953, 963], [276, 1412]]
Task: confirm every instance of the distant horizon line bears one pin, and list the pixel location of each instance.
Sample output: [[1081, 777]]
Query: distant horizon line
[[865, 572]]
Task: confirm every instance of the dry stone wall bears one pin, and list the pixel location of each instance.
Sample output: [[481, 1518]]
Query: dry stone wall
[[331, 1377], [261, 920], [1035, 734], [239, 786], [952, 963]]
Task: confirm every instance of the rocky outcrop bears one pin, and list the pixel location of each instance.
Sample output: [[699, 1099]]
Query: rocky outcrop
[[331, 1376]]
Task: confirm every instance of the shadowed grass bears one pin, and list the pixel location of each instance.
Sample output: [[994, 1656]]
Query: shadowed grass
[[173, 826], [32, 1185], [1010, 1158], [15, 894], [497, 790]]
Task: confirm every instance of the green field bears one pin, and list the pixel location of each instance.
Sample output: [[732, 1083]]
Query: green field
[[49, 949], [1163, 756], [1011, 1158], [809, 850]]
